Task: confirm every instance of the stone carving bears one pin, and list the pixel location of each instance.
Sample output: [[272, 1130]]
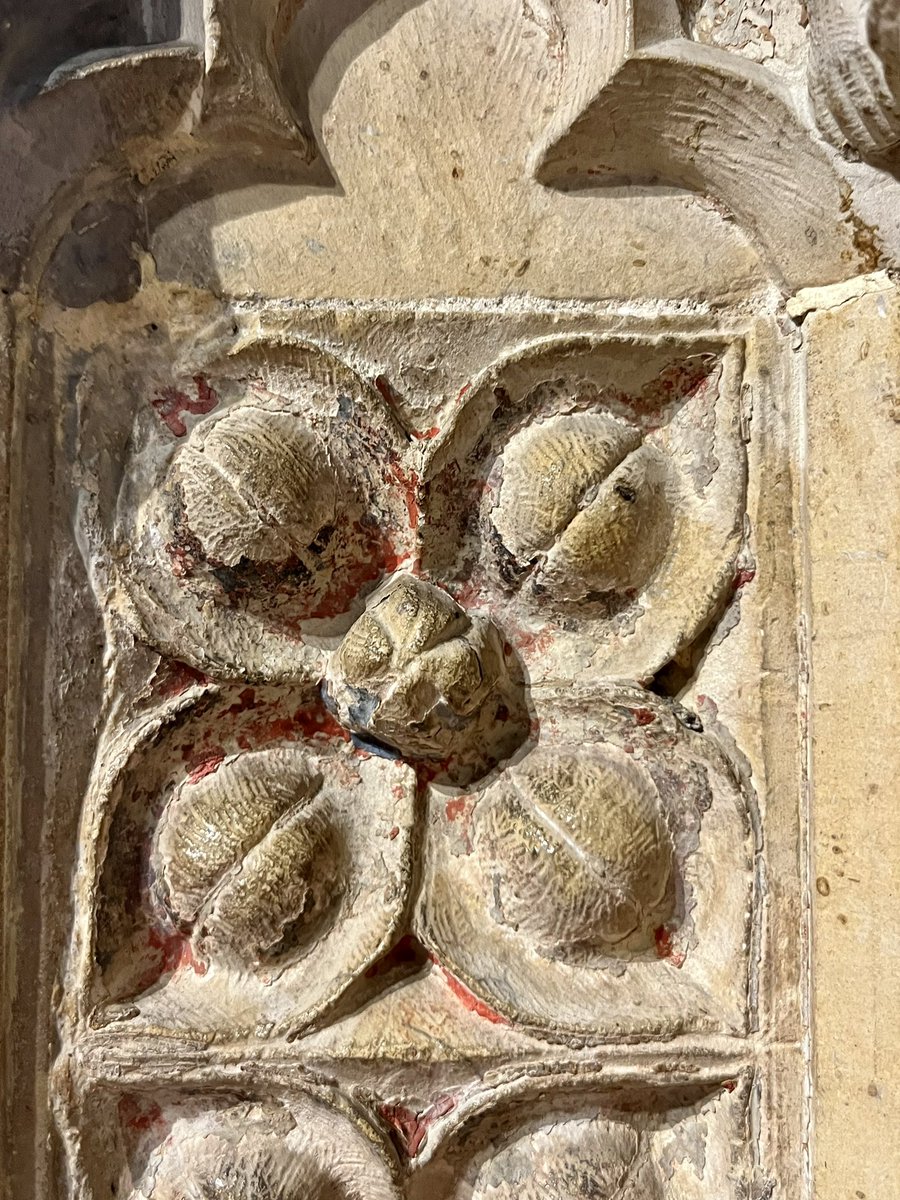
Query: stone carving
[[583, 497], [258, 487], [593, 497], [595, 870], [854, 75], [394, 723], [256, 865], [418, 674], [589, 1141], [580, 855], [419, 380], [263, 1152], [244, 546], [248, 857]]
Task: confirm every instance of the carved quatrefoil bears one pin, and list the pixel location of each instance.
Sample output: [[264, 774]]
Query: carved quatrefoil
[[462, 597]]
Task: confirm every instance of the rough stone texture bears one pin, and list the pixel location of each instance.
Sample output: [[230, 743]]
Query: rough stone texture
[[450, 484]]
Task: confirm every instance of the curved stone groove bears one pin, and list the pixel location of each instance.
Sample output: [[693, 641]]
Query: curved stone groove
[[692, 116]]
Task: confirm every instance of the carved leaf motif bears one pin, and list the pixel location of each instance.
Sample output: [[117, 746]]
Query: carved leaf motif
[[253, 868], [854, 74], [591, 498], [600, 884], [581, 496], [257, 486], [249, 856], [581, 856], [576, 1160], [308, 1151], [548, 470], [246, 548]]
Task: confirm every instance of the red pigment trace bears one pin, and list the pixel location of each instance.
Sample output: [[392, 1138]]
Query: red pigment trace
[[689, 377], [182, 560], [430, 769], [246, 700], [665, 947], [409, 481], [459, 809], [171, 403], [469, 1000], [381, 557], [305, 724], [319, 722], [204, 764], [425, 435], [137, 1117], [730, 1084], [411, 1127], [387, 393], [394, 833], [455, 808], [470, 595], [174, 677], [643, 716], [532, 643], [176, 952], [707, 705], [743, 577]]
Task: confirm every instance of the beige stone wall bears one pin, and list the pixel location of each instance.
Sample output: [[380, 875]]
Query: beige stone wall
[[853, 541]]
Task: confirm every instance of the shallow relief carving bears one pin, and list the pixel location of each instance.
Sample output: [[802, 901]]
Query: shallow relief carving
[[394, 706], [389, 359], [281, 1138]]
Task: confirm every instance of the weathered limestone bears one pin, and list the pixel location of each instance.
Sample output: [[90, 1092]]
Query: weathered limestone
[[853, 504], [451, 508]]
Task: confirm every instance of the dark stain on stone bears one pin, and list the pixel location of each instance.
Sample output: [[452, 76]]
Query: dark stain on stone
[[96, 259]]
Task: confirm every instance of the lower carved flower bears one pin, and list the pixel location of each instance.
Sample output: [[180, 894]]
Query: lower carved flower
[[304, 1151]]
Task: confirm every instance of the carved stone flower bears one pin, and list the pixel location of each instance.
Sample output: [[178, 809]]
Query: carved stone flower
[[417, 673]]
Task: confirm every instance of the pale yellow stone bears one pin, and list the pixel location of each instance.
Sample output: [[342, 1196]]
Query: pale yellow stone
[[853, 512]]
